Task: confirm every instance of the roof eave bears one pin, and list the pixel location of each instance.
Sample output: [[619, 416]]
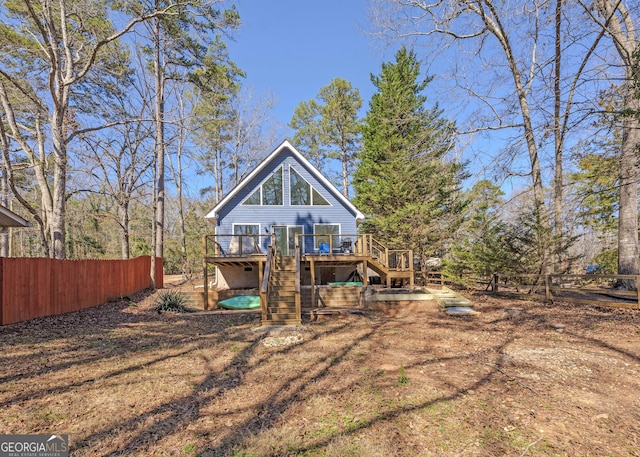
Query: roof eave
[[10, 219]]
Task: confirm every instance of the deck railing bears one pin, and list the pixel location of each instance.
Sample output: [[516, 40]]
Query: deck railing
[[228, 245], [310, 244], [361, 244]]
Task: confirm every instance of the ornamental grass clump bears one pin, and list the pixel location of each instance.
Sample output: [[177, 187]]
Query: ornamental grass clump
[[171, 302]]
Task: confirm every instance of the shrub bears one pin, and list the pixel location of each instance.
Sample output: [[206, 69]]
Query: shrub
[[172, 302]]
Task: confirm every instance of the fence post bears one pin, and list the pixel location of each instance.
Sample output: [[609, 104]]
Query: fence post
[[638, 289], [547, 287], [494, 283]]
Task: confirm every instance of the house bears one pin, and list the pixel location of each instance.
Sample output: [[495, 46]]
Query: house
[[10, 219], [284, 196], [284, 231]]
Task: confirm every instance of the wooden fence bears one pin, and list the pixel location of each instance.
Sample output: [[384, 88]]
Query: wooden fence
[[598, 289], [595, 289], [37, 287]]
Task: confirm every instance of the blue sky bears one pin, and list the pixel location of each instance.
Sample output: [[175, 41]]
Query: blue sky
[[292, 48]]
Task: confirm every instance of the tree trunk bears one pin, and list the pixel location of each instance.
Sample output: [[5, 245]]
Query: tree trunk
[[4, 201], [558, 143], [158, 245], [58, 229], [629, 174], [125, 246], [621, 28], [345, 174]]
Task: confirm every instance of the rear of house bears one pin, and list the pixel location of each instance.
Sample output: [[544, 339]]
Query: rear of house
[[283, 197]]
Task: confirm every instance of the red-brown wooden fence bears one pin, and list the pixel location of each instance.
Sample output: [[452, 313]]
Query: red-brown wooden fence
[[36, 287]]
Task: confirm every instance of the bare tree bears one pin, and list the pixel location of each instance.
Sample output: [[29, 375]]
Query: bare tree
[[253, 132], [49, 62], [117, 162], [619, 19], [509, 59]]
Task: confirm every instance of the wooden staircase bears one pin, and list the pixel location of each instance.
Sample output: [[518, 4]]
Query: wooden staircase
[[281, 297], [389, 277]]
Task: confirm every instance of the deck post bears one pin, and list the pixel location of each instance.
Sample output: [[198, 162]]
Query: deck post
[[312, 270], [261, 266], [365, 273]]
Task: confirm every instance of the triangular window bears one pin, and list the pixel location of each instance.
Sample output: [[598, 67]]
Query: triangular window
[[269, 193], [302, 193], [318, 200]]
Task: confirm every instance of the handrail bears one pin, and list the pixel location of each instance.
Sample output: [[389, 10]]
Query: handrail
[[264, 288], [234, 245], [298, 298], [362, 244], [297, 278]]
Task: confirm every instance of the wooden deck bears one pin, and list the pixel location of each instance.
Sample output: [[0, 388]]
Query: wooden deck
[[280, 276]]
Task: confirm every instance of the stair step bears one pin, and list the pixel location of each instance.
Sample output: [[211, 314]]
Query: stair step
[[282, 322], [281, 316], [454, 302], [279, 311], [282, 293], [284, 281], [280, 303], [450, 303]]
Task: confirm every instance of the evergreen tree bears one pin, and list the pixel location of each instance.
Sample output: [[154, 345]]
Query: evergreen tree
[[597, 186], [480, 249], [405, 182]]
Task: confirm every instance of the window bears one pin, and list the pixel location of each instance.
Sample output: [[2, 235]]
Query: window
[[300, 189], [269, 193], [243, 242], [318, 200], [303, 193], [246, 229], [323, 232]]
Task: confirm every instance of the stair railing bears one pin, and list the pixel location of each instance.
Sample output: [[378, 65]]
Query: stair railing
[[400, 260], [379, 251], [297, 278]]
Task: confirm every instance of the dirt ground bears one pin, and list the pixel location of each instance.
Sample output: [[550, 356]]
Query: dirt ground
[[521, 378]]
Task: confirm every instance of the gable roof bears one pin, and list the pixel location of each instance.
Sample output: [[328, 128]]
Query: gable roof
[[212, 216], [10, 219]]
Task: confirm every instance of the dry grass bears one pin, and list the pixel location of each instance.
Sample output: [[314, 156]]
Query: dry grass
[[522, 378]]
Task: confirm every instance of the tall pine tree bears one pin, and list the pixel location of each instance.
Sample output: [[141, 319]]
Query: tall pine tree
[[405, 181]]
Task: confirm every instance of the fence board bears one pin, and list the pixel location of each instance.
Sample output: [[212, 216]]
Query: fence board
[[570, 292], [36, 287]]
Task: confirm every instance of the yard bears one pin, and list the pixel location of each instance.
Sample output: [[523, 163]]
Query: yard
[[521, 378]]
